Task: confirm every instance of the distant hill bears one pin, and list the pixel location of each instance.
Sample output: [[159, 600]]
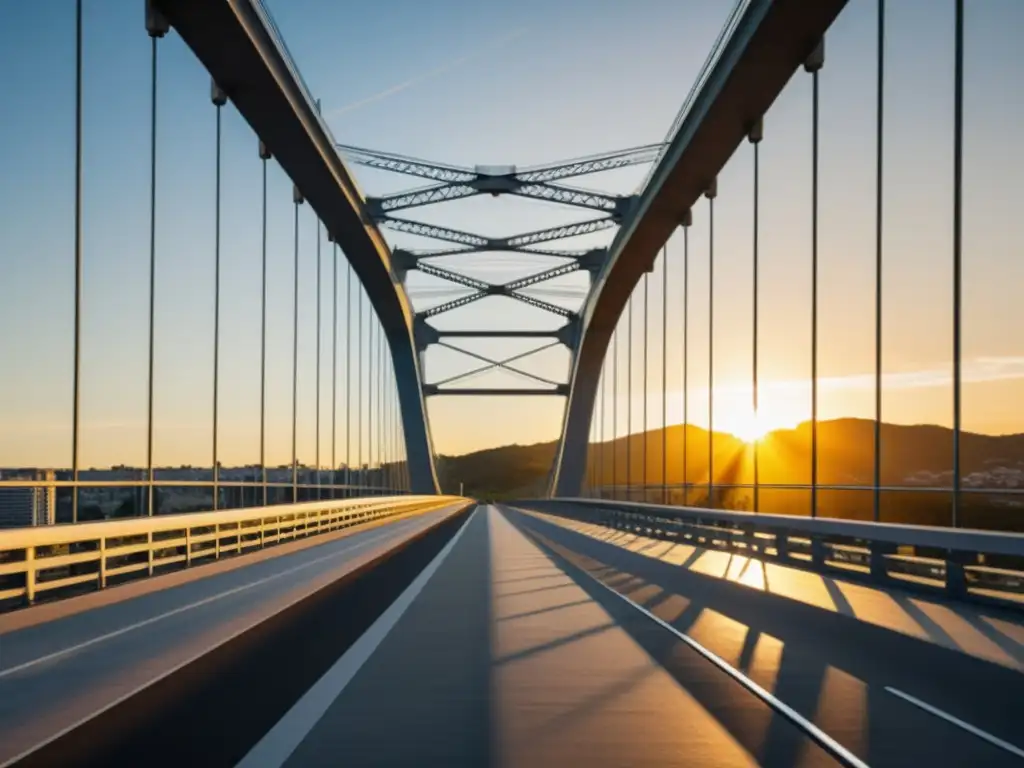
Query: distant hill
[[512, 470], [915, 456]]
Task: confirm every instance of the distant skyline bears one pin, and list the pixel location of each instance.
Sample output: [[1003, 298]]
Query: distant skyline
[[521, 83]]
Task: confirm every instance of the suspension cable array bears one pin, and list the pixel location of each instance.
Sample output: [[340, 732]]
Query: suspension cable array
[[708, 471], [382, 469]]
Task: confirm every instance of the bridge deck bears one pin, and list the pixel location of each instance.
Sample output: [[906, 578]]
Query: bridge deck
[[513, 646], [65, 661], [504, 659], [844, 656]]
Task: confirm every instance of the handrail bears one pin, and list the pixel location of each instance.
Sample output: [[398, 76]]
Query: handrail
[[954, 539], [950, 560], [52, 557]]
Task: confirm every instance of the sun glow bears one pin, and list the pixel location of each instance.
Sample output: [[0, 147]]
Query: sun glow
[[749, 426]]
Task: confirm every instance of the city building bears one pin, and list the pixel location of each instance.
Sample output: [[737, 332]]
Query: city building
[[28, 505]]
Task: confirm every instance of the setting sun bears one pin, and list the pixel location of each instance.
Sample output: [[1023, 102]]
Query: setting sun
[[749, 426]]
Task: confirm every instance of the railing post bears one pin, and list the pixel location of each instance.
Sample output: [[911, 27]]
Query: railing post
[[149, 553], [956, 576], [781, 545], [103, 563], [216, 541], [818, 552], [751, 541], [877, 562], [30, 574], [188, 546]]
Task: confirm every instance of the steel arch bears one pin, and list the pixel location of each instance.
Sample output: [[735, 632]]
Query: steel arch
[[237, 43], [770, 41]]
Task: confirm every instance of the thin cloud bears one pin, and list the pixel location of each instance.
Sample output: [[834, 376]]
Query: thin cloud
[[448, 66], [974, 371]]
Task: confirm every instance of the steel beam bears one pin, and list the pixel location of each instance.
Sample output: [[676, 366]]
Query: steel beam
[[241, 50], [593, 164], [477, 242], [380, 207], [498, 334], [432, 390], [770, 42]]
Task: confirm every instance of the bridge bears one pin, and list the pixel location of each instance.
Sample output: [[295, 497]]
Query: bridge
[[228, 537]]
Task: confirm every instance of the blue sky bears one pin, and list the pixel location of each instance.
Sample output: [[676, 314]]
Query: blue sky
[[469, 83]]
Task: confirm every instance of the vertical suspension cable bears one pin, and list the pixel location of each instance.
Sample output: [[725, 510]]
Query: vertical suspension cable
[[755, 139], [595, 447], [154, 35], [219, 99], [388, 416], [958, 175], [397, 429], [712, 191], [348, 379], [615, 411], [382, 421], [359, 388], [334, 371], [687, 221], [392, 421], [600, 431], [264, 156], [319, 292], [297, 197], [664, 374], [813, 65], [629, 398], [879, 189], [389, 420], [381, 408], [370, 373], [643, 427], [76, 399]]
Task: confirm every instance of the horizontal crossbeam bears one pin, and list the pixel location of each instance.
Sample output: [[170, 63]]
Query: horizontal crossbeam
[[554, 253], [502, 334], [498, 179], [431, 390], [481, 243], [439, 193]]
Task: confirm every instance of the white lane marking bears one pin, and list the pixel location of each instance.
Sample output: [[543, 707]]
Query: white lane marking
[[958, 722], [832, 746], [181, 609], [278, 744], [191, 659]]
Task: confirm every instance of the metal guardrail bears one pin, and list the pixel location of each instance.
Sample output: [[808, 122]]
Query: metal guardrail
[[961, 563], [54, 557]]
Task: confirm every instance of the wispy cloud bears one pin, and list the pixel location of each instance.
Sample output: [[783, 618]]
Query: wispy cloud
[[973, 371], [976, 370], [488, 47]]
